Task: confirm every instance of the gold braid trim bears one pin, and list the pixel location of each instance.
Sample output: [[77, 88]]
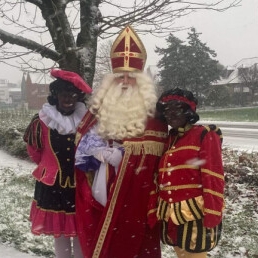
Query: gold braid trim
[[146, 147], [152, 192], [156, 133], [213, 212], [111, 208], [180, 187], [188, 147], [207, 171], [169, 169], [152, 211], [205, 190]]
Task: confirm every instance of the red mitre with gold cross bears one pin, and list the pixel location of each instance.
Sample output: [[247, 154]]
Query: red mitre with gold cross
[[128, 53]]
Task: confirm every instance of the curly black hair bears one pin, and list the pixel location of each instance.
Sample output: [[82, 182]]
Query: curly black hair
[[60, 85], [191, 115]]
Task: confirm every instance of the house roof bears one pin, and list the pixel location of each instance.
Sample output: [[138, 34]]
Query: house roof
[[233, 77], [246, 62]]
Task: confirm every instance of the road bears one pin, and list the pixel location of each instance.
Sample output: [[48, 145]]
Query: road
[[238, 135]]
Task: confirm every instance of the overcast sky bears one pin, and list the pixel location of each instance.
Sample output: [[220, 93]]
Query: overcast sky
[[232, 34]]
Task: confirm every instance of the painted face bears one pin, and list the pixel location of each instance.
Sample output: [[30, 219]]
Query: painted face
[[174, 114], [125, 79], [66, 102]]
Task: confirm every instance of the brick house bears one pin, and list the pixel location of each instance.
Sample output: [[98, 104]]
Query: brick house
[[35, 89]]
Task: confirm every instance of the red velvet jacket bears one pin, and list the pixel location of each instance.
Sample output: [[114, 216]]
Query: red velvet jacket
[[41, 152], [193, 167]]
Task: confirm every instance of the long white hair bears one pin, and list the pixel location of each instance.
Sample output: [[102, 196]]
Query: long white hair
[[123, 113]]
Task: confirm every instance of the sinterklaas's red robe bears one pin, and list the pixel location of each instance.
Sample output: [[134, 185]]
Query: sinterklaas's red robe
[[122, 229]]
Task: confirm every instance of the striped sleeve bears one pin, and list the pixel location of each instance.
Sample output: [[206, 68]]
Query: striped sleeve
[[33, 138], [212, 178]]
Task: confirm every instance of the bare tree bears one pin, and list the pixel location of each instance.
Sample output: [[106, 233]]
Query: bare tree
[[249, 78], [103, 62], [67, 31]]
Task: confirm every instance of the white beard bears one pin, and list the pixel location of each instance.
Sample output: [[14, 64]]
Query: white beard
[[122, 113]]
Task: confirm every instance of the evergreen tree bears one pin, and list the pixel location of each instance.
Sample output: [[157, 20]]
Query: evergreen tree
[[189, 66], [172, 65]]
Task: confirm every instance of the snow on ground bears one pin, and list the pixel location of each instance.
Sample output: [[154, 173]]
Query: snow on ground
[[11, 252], [8, 161]]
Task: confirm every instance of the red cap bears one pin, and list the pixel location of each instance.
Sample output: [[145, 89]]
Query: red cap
[[72, 77], [168, 98]]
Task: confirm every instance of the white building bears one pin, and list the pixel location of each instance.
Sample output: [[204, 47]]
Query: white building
[[4, 91], [9, 92]]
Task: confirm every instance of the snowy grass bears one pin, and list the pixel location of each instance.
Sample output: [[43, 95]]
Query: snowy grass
[[241, 114], [16, 195], [240, 230]]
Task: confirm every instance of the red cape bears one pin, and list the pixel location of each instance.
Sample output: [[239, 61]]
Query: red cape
[[121, 229]]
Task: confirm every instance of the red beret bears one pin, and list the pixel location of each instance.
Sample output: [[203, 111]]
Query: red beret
[[72, 77]]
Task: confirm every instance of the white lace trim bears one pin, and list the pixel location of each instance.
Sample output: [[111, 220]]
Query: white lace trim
[[53, 119]]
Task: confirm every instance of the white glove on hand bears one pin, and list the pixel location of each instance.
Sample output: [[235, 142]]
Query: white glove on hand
[[103, 154], [115, 158]]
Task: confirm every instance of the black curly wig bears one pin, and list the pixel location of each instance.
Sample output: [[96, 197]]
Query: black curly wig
[[60, 85], [189, 110]]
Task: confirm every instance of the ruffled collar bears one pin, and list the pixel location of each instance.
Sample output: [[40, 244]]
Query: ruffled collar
[[53, 119]]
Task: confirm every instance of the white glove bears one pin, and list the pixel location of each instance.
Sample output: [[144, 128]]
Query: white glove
[[103, 153], [115, 158]]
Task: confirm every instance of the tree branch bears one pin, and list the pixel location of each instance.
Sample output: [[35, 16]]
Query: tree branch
[[158, 15], [7, 37]]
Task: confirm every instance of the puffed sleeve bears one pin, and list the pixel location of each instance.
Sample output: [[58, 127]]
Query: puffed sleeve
[[33, 138], [212, 174]]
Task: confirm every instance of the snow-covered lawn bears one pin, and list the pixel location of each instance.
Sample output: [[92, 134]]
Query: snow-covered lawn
[[240, 230]]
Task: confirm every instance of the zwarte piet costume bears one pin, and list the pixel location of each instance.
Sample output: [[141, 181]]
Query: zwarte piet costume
[[191, 180], [50, 144]]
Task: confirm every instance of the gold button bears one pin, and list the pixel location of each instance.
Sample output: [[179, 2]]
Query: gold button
[[169, 192], [68, 148], [170, 199], [68, 159], [169, 164], [69, 139]]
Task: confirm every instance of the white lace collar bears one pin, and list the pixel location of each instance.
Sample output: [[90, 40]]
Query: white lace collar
[[53, 119]]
